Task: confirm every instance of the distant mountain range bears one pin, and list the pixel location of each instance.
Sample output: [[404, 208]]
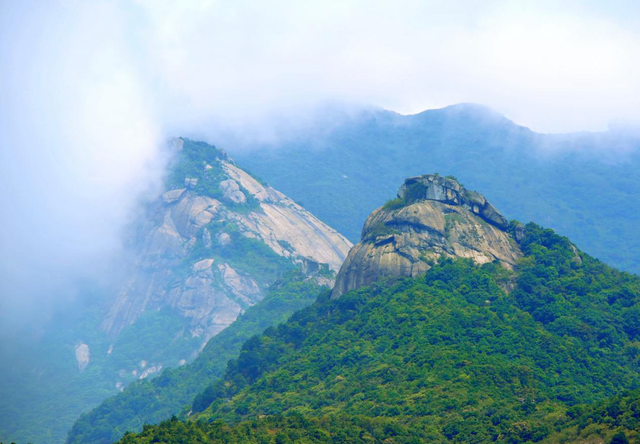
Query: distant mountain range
[[584, 185]]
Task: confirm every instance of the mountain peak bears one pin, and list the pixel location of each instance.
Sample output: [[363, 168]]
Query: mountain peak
[[449, 191], [215, 242], [432, 217]]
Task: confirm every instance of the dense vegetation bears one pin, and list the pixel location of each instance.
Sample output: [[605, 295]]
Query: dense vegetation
[[615, 421], [448, 357], [150, 401], [585, 186]]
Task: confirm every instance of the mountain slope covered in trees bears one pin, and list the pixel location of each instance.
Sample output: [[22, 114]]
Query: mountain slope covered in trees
[[466, 353]]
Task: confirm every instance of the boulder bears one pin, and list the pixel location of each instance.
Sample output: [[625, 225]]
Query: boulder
[[440, 218], [202, 265], [173, 195], [82, 356], [190, 182], [223, 239], [518, 232], [206, 238], [231, 192]]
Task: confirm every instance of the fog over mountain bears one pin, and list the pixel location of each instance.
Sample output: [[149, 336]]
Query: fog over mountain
[[90, 91]]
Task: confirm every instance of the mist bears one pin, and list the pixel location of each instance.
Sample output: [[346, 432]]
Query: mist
[[91, 90]]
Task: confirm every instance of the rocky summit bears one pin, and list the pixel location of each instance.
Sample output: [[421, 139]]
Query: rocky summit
[[433, 216], [205, 243]]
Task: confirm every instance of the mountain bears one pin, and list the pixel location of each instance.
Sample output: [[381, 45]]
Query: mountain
[[215, 243], [432, 217], [469, 351], [584, 185]]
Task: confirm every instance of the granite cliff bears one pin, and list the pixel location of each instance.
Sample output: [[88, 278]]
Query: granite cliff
[[433, 216], [213, 243]]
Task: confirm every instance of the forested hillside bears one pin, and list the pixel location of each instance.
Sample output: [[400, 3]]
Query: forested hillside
[[466, 353]]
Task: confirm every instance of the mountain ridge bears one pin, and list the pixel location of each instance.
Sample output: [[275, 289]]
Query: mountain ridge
[[346, 171], [215, 242], [445, 356], [189, 221]]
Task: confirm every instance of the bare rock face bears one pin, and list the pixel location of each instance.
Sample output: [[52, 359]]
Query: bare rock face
[[190, 182], [206, 238], [175, 263], [82, 356], [449, 191], [286, 227], [432, 217], [223, 239], [173, 195]]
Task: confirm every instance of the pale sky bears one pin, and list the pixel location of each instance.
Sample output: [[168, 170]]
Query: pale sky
[[90, 88]]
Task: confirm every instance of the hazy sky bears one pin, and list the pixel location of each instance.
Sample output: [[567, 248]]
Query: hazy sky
[[89, 89]]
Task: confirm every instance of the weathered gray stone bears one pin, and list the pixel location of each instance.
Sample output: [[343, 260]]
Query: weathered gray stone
[[446, 190], [231, 192], [83, 355], [211, 297], [173, 195], [206, 238], [202, 265], [440, 218], [223, 239], [518, 232]]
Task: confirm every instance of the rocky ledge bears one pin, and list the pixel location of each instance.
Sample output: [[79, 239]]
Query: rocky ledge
[[432, 217]]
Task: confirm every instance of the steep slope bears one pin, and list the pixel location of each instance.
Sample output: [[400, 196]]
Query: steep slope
[[445, 357], [585, 186], [210, 247], [432, 217], [215, 228]]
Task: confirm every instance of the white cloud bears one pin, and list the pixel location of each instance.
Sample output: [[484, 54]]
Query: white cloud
[[79, 144], [89, 88], [553, 67]]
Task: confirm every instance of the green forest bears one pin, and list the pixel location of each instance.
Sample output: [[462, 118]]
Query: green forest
[[466, 353]]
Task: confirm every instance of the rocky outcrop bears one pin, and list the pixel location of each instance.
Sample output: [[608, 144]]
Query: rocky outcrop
[[286, 227], [175, 263], [232, 192], [432, 217], [83, 355], [448, 190]]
